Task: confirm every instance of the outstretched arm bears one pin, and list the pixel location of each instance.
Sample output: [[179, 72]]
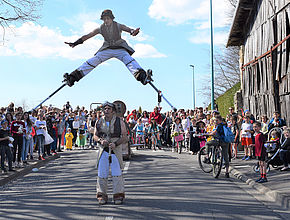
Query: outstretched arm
[[84, 38], [133, 32]]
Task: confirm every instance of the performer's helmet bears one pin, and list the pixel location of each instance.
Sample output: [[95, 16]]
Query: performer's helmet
[[108, 13], [112, 105]]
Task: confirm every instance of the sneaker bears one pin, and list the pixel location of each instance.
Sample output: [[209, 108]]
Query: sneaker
[[118, 202], [4, 171], [227, 175], [172, 150], [284, 168], [42, 158], [248, 158], [102, 201], [12, 170], [258, 180], [263, 180], [244, 157], [31, 157]]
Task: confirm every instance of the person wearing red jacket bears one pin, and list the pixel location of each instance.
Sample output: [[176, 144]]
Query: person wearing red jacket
[[134, 114], [156, 115], [17, 131], [260, 151]]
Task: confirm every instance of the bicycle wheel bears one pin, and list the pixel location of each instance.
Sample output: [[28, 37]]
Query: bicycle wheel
[[217, 161], [203, 161]]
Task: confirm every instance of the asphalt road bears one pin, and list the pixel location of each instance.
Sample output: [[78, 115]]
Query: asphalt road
[[159, 185]]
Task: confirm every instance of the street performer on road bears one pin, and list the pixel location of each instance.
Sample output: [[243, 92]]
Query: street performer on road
[[113, 46], [110, 134]]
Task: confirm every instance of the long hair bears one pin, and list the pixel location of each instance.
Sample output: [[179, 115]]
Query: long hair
[[28, 121]]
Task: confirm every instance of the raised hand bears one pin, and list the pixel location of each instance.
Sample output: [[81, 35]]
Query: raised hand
[[135, 32]]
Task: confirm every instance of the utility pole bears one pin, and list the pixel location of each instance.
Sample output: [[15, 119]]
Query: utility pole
[[193, 87], [211, 54]]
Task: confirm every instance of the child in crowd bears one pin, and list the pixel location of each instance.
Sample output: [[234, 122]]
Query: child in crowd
[[201, 130], [260, 151], [4, 146], [273, 142], [246, 137], [139, 129], [285, 150], [235, 130], [69, 139], [177, 134], [82, 136], [194, 141]]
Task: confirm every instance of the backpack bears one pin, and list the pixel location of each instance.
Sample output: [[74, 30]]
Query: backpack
[[229, 137]]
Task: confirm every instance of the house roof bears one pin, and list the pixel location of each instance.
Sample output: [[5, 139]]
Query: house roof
[[243, 13]]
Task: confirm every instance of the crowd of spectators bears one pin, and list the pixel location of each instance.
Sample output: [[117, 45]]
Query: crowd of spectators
[[40, 133]]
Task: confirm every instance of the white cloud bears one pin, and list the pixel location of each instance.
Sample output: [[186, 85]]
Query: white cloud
[[182, 11], [203, 36], [38, 41], [146, 50]]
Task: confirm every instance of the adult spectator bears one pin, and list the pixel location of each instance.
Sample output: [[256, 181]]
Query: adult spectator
[[91, 122], [61, 130], [133, 115], [276, 121], [231, 112], [264, 124], [10, 108], [67, 105], [156, 115], [285, 150], [200, 114], [249, 114], [17, 130], [145, 117]]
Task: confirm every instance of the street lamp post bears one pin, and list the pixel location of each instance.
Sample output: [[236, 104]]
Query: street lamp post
[[211, 53], [193, 87]]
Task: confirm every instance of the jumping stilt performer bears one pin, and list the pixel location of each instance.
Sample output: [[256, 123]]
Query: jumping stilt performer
[[113, 46]]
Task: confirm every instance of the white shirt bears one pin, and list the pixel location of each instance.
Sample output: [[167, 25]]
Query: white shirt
[[246, 126], [38, 124]]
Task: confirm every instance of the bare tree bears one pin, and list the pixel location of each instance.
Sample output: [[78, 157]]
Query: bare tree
[[12, 11], [226, 66]]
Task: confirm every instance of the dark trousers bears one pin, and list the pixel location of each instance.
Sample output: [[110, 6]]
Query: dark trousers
[[284, 156], [5, 151], [59, 142], [17, 147], [75, 134]]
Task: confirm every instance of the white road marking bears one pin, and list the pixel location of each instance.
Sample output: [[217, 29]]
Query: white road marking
[[127, 164], [109, 218], [242, 166]]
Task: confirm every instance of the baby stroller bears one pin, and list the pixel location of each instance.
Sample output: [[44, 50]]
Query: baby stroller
[[272, 149]]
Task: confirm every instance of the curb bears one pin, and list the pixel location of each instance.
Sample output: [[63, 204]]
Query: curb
[[281, 198], [27, 170]]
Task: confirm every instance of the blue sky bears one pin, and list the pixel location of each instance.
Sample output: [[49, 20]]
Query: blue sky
[[174, 35]]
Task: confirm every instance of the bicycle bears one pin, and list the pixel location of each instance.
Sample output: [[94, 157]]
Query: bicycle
[[211, 161]]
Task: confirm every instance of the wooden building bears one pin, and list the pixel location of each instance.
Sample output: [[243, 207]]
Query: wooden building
[[262, 30]]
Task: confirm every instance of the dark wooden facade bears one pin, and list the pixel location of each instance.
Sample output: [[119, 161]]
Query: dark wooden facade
[[262, 30]]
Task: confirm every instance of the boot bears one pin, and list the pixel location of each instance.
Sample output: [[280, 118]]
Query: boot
[[143, 77], [119, 198], [102, 198], [73, 77]]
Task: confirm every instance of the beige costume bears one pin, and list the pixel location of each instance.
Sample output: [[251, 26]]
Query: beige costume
[[112, 132]]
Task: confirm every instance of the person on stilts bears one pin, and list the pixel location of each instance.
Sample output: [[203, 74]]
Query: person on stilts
[[113, 46], [110, 135]]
